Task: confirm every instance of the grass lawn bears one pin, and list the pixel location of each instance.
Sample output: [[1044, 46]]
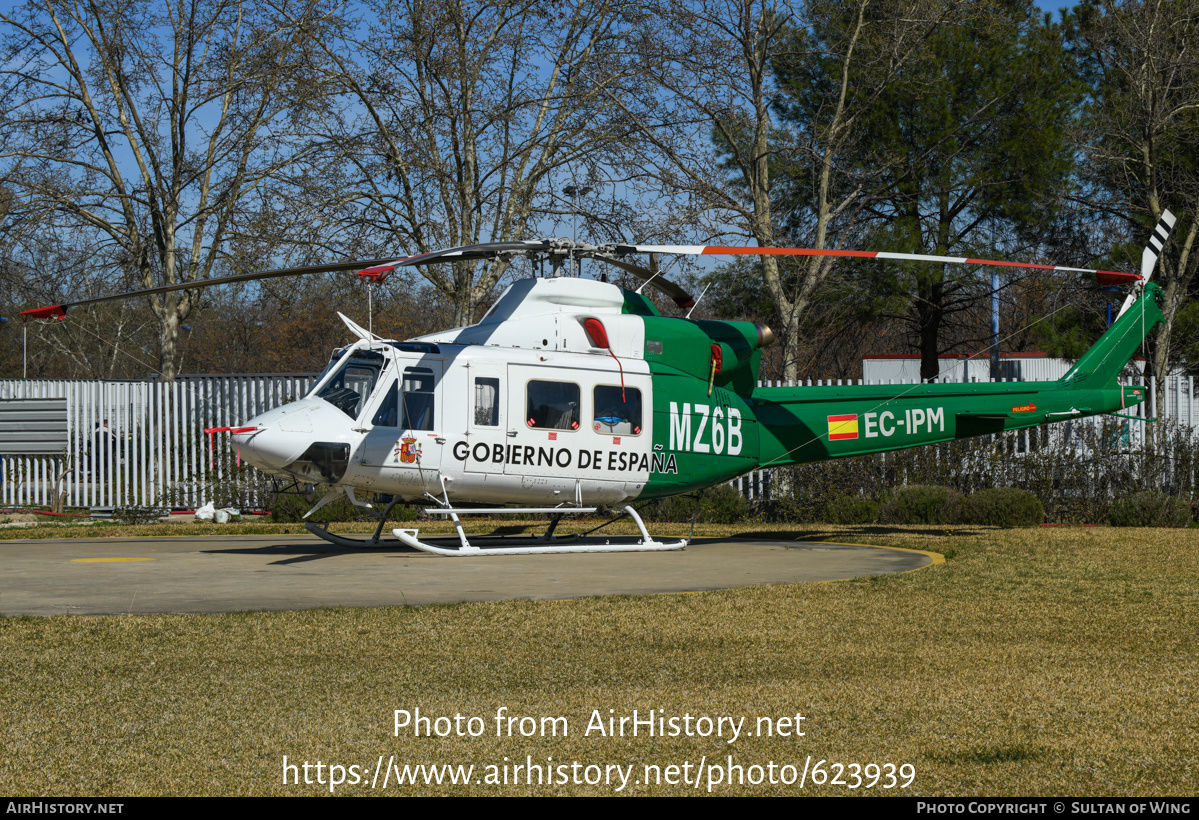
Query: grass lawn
[[1046, 661]]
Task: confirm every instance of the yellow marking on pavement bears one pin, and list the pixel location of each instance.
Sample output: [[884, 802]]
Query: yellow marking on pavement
[[107, 560]]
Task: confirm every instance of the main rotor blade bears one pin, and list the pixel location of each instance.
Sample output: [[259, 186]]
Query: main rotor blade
[[486, 250], [681, 297], [1105, 277], [489, 250], [332, 267]]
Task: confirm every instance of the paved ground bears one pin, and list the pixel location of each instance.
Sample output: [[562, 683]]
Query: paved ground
[[108, 576]]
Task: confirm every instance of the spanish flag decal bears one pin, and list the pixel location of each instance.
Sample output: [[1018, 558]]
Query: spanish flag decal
[[842, 427]]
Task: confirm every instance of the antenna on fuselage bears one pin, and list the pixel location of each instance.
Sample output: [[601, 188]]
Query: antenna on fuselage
[[697, 301], [654, 271]]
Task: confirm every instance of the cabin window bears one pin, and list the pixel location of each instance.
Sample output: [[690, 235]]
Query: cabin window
[[617, 411], [487, 402], [417, 399], [552, 406]]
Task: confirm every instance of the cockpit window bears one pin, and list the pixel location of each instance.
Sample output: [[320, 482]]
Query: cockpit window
[[408, 406], [389, 411], [353, 382], [417, 399]]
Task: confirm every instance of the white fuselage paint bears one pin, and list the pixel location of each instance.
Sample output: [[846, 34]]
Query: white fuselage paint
[[479, 442]]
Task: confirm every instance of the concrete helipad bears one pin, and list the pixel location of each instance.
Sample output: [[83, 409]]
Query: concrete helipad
[[105, 576]]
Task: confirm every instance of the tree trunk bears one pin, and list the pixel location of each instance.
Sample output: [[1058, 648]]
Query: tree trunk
[[464, 309], [168, 345], [930, 312]]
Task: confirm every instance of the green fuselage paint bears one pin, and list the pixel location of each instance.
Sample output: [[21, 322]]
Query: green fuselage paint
[[705, 435]]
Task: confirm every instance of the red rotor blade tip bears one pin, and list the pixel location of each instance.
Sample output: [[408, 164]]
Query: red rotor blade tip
[[51, 312], [1111, 277]]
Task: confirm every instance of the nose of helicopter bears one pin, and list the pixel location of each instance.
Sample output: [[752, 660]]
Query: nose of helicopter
[[279, 436]]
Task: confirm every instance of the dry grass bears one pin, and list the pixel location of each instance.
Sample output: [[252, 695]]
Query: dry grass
[[1034, 662]]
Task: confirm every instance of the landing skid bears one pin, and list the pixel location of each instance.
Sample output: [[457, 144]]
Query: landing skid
[[546, 544], [376, 540]]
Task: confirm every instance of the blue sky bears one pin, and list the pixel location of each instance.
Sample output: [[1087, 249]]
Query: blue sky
[[1053, 5]]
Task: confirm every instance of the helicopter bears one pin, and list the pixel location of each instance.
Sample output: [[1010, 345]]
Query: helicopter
[[573, 395]]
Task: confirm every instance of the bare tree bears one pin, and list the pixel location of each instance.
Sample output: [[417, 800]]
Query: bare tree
[[1142, 139], [717, 65], [102, 342], [453, 123], [147, 124]]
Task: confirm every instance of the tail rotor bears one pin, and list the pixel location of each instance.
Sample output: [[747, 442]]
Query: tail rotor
[[1149, 257]]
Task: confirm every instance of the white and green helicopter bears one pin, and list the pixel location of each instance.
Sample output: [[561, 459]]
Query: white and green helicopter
[[571, 395]]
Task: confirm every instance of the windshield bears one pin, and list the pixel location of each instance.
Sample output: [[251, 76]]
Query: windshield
[[334, 361], [353, 382]]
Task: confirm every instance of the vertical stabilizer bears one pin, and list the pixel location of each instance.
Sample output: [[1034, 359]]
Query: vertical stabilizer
[[1141, 311], [1100, 365]]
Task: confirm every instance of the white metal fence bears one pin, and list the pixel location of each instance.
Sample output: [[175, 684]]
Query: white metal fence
[[157, 453], [154, 452]]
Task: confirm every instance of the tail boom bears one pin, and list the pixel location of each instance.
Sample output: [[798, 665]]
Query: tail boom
[[802, 424], [850, 421]]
